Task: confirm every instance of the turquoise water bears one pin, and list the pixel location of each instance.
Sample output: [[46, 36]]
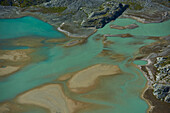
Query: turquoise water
[[26, 26], [115, 94], [140, 62]]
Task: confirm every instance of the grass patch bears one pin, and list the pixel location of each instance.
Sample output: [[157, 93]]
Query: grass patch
[[52, 9], [22, 3], [133, 5]]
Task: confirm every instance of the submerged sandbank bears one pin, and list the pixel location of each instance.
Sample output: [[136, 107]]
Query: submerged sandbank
[[89, 76], [13, 60], [50, 96]]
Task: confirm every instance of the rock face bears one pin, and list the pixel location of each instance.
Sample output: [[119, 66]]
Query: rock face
[[162, 92], [162, 84], [101, 18]]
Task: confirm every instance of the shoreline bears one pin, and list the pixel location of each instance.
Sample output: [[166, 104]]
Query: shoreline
[[68, 34], [150, 107], [147, 93], [56, 27], [146, 87]]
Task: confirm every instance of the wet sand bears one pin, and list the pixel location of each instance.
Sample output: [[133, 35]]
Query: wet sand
[[15, 55], [8, 70], [51, 97], [89, 76], [13, 60]]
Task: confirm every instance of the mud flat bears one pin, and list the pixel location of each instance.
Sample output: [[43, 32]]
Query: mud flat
[[50, 97], [93, 73]]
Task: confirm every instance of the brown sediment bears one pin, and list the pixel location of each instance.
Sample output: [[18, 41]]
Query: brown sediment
[[154, 38], [118, 57], [97, 37], [93, 72], [55, 40], [156, 105], [107, 43], [126, 35], [118, 35], [51, 97], [14, 107], [66, 76], [105, 53], [27, 41], [131, 26], [111, 55], [150, 107], [13, 60], [15, 55], [75, 42], [8, 70], [135, 43]]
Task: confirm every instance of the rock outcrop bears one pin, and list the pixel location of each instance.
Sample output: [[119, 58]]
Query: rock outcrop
[[162, 84], [101, 18], [162, 92]]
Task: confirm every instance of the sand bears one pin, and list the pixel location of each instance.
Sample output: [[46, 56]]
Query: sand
[[89, 76], [50, 97], [15, 55], [8, 70], [56, 40]]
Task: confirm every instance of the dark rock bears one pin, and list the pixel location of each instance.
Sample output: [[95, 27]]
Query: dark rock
[[162, 92], [100, 19]]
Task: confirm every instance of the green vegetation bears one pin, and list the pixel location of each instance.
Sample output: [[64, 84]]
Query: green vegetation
[[133, 5], [101, 8], [27, 3], [52, 9], [6, 2], [21, 3]]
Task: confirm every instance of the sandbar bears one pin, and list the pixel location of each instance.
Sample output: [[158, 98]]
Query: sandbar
[[89, 76], [50, 97]]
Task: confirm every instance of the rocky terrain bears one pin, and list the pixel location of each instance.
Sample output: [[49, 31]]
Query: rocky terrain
[[86, 15], [80, 18], [157, 70], [162, 83]]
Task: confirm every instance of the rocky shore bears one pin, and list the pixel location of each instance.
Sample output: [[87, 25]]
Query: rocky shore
[[81, 18], [157, 74]]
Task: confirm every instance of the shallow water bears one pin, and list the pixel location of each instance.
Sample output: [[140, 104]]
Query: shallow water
[[140, 62], [26, 26], [114, 94]]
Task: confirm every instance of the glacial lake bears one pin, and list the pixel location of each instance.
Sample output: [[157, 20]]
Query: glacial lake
[[123, 91]]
